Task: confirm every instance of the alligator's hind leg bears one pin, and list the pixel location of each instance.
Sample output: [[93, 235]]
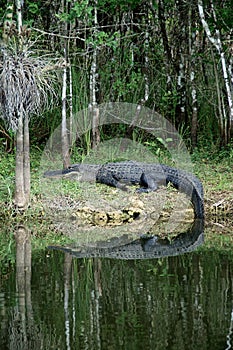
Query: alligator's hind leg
[[150, 183], [147, 183]]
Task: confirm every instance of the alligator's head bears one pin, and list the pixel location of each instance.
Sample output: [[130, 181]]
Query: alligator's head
[[78, 172]]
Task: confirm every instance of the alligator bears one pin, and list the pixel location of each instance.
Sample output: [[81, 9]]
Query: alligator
[[148, 175], [145, 247]]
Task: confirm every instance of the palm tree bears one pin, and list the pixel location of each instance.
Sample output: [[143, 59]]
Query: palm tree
[[25, 89]]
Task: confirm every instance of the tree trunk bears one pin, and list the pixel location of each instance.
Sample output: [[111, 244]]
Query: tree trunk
[[71, 103], [26, 150], [20, 200], [192, 66], [64, 135], [64, 132], [217, 43], [22, 162], [167, 49], [22, 167], [19, 15], [93, 89]]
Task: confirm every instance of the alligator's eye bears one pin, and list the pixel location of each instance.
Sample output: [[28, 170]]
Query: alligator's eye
[[74, 168]]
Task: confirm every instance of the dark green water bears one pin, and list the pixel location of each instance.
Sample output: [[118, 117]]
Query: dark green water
[[182, 302]]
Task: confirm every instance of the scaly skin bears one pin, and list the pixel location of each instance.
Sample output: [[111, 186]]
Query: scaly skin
[[148, 175]]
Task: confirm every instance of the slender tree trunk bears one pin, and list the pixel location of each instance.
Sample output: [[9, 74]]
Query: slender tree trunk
[[71, 102], [225, 70], [181, 89], [93, 89], [146, 59], [26, 150], [217, 43], [19, 15], [221, 115], [64, 132], [193, 48], [182, 59], [167, 49], [20, 200], [64, 135], [146, 74], [194, 115], [22, 168]]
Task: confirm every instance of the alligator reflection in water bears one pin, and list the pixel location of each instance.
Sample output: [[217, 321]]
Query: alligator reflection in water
[[144, 247]]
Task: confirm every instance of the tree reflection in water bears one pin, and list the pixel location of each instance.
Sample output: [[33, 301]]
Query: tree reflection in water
[[22, 332], [56, 301], [23, 311]]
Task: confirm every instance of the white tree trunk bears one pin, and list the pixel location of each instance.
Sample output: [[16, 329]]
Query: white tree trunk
[[146, 79], [193, 48], [18, 4], [64, 135], [64, 131], [71, 102], [93, 88], [216, 41]]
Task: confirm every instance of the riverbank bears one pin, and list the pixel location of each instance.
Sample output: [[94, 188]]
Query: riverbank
[[215, 174]]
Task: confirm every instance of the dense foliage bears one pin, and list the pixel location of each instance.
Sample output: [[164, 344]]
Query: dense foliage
[[162, 54]]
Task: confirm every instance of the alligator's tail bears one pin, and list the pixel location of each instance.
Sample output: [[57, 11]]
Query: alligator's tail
[[190, 185]]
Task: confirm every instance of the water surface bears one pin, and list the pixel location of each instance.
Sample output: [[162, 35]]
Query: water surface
[[60, 302]]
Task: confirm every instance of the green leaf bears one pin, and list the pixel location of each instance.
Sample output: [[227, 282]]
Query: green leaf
[[33, 8]]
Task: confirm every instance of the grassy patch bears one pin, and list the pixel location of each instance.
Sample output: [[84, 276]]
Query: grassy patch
[[219, 237]]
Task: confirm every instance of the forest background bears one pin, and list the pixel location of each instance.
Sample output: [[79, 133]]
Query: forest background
[[174, 57]]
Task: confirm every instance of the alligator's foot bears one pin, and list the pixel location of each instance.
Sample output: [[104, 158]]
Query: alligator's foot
[[144, 190]]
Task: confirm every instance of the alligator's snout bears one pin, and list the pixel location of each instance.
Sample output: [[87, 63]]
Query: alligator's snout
[[61, 173]]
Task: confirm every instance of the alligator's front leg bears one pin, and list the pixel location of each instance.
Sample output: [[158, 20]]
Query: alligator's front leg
[[108, 178]]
